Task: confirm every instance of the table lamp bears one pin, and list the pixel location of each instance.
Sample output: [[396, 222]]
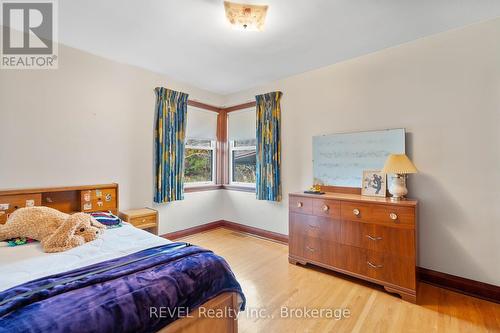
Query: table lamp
[[399, 165]]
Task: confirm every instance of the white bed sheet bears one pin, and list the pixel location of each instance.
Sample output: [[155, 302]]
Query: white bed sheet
[[28, 262]]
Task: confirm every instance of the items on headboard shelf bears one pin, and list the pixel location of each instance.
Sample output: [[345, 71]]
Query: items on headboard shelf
[[71, 199], [10, 202], [98, 200]]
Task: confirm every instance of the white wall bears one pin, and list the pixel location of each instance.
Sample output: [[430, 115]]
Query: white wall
[[88, 122], [445, 90]]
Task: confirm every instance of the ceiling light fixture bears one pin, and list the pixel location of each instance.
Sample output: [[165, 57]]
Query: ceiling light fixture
[[246, 17]]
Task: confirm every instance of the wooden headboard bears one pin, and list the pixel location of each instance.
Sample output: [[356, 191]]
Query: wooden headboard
[[70, 199]]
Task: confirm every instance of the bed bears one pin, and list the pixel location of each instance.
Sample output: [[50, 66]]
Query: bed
[[127, 281]]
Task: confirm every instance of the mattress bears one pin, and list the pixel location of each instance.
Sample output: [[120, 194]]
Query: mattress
[[24, 263]]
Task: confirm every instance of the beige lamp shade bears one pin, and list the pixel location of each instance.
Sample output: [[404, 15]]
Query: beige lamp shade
[[399, 164]]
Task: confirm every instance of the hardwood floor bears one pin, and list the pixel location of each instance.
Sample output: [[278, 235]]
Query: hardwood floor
[[270, 283]]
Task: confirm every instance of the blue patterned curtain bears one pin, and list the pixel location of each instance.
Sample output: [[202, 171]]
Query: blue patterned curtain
[[170, 131], [268, 183]]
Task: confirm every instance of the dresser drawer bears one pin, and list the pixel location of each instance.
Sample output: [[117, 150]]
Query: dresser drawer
[[393, 214], [314, 226], [390, 214], [326, 208], [379, 238], [143, 221], [354, 211], [396, 241], [352, 259], [391, 269], [300, 205], [351, 233], [315, 249]]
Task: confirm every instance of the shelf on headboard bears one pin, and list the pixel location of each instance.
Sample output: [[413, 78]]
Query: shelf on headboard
[[56, 189], [67, 199]]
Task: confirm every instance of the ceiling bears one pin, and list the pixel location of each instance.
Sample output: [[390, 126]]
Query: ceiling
[[190, 40]]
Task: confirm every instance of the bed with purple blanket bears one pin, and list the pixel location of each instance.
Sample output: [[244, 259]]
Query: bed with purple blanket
[[158, 288]]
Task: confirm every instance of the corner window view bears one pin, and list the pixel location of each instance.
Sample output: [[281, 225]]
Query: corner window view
[[199, 161], [243, 161]]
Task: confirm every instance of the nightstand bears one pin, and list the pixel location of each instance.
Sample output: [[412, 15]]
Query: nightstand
[[143, 218]]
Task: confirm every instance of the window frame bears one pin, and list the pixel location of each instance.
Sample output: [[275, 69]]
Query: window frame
[[232, 148], [213, 148], [222, 150]]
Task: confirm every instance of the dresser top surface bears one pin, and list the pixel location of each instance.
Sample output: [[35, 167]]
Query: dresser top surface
[[131, 213], [357, 197]]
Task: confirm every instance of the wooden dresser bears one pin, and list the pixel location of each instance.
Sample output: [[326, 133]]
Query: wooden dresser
[[366, 237]]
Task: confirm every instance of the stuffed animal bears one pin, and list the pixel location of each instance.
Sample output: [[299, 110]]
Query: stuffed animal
[[55, 230]]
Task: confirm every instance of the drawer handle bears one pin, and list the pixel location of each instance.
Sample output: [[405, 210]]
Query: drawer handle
[[299, 204], [373, 265], [310, 248], [356, 211], [325, 208], [393, 216], [373, 238], [313, 226]]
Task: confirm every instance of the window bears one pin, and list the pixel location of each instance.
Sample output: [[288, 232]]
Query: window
[[199, 162], [239, 155], [242, 142], [242, 161], [199, 153]]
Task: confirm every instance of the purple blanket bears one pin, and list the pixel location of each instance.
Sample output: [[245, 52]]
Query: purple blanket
[[119, 295]]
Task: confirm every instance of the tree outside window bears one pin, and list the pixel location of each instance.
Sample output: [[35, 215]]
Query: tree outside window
[[199, 162]]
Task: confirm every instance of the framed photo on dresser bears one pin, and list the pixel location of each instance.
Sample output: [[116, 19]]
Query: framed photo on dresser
[[374, 183]]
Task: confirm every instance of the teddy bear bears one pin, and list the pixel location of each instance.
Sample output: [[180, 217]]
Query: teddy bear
[[56, 231]]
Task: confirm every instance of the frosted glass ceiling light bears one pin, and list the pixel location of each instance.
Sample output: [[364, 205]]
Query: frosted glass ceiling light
[[246, 17]]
